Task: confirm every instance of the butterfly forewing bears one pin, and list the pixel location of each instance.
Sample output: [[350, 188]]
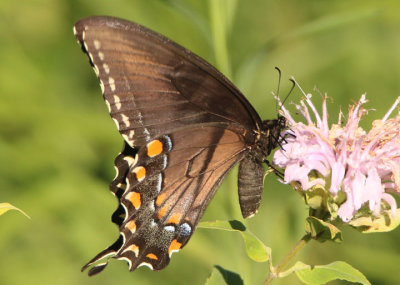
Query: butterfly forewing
[[154, 86]]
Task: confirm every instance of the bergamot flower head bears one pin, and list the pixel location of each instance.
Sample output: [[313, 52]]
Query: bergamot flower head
[[342, 170]]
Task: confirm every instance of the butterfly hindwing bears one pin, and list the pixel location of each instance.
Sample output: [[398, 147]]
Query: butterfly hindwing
[[168, 186]]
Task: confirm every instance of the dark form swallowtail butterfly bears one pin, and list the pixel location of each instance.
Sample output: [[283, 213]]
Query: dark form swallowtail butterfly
[[184, 125]]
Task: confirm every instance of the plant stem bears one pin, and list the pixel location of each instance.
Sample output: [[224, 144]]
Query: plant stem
[[274, 271], [219, 27]]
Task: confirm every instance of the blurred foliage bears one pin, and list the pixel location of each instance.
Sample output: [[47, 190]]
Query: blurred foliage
[[57, 142], [5, 207]]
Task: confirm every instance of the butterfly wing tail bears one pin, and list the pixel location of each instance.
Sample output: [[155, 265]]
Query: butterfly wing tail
[[106, 254]]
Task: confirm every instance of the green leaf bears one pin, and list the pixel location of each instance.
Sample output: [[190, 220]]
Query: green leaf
[[316, 197], [384, 223], [321, 274], [330, 22], [322, 231], [215, 278], [5, 207], [297, 267], [221, 276], [255, 248]]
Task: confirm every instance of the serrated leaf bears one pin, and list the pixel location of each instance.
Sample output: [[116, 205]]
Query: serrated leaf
[[321, 274], [255, 248], [322, 231], [5, 207], [384, 223], [221, 276]]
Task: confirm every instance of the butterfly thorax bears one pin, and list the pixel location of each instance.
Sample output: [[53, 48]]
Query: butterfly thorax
[[269, 137]]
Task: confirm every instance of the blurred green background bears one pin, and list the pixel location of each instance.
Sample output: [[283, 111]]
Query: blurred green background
[[57, 142]]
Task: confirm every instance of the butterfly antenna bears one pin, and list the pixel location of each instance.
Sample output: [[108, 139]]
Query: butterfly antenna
[[279, 84], [291, 90]]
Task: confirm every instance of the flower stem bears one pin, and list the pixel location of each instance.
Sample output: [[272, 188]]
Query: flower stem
[[274, 271]]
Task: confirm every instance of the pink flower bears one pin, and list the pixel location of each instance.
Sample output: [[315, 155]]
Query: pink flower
[[344, 158]]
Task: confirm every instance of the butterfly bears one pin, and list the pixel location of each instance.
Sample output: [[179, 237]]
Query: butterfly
[[184, 125]]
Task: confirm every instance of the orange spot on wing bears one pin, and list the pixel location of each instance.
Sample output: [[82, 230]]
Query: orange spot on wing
[[152, 256], [131, 225], [160, 198], [175, 218], [174, 246], [135, 199], [162, 211], [154, 148], [140, 173], [133, 248]]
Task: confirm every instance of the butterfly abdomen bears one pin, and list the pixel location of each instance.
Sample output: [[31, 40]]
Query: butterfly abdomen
[[250, 185]]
